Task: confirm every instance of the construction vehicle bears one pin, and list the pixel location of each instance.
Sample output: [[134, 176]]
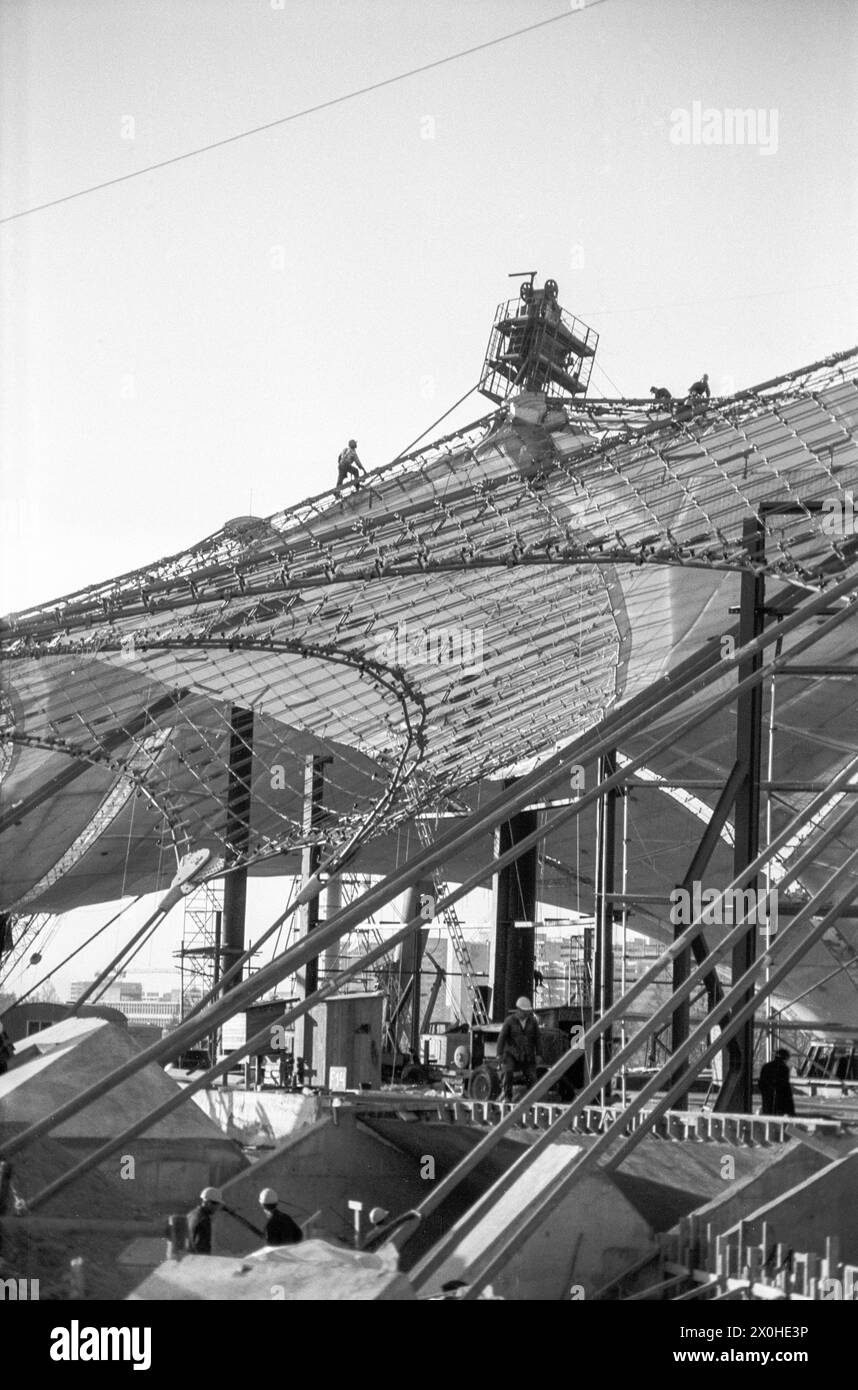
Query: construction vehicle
[[482, 1074]]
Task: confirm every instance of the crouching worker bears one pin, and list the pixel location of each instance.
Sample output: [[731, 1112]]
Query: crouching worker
[[519, 1045]]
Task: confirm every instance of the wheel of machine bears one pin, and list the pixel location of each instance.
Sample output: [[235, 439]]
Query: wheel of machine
[[484, 1084], [551, 289]]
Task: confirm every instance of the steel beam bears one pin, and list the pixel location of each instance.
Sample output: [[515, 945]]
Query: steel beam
[[737, 1090], [515, 947], [471, 1160], [544, 1084], [311, 860], [708, 842], [690, 679], [410, 966], [606, 840], [618, 1133], [238, 807]]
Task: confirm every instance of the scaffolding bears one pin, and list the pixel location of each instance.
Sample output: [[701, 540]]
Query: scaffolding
[[199, 955]]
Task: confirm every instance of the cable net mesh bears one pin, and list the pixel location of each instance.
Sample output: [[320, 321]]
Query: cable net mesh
[[471, 606]]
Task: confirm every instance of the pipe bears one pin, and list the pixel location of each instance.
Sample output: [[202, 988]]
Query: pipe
[[486, 1144], [454, 840], [554, 1189], [378, 952]]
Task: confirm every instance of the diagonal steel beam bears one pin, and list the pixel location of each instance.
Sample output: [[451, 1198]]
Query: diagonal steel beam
[[416, 923], [140, 1126], [655, 1022], [480, 822], [519, 1230], [708, 841]]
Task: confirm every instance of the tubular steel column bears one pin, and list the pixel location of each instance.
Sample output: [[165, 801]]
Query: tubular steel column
[[515, 947], [411, 960], [603, 982], [238, 802], [737, 1092], [311, 858]]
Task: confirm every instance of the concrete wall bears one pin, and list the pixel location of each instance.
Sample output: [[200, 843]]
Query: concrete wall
[[823, 1205], [788, 1168], [588, 1239], [321, 1167], [167, 1175]]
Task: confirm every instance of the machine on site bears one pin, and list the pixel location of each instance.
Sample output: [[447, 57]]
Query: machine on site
[[481, 1070]]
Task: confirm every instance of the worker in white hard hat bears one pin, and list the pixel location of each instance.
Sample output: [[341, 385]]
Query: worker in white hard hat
[[349, 466], [200, 1221], [280, 1229], [519, 1044]]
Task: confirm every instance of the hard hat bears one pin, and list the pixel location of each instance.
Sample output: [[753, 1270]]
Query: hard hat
[[212, 1194], [523, 1003], [352, 443], [268, 1197], [377, 1215]]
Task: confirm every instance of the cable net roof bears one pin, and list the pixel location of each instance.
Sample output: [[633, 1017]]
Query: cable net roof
[[469, 608]]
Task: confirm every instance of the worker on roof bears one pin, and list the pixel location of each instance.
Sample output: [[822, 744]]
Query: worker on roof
[[660, 395], [280, 1229], [349, 465], [200, 1221], [699, 389], [775, 1085], [519, 1044]]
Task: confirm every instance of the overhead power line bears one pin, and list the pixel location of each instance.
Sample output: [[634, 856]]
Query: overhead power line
[[298, 115]]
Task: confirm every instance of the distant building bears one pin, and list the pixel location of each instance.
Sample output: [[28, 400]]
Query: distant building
[[114, 993], [22, 1021], [141, 1009]]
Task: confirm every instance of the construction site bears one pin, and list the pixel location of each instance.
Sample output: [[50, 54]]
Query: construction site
[[428, 873], [634, 720]]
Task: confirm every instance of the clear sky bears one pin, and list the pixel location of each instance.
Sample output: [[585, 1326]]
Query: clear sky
[[189, 345]]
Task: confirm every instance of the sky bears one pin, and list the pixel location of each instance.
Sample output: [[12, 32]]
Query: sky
[[198, 342]]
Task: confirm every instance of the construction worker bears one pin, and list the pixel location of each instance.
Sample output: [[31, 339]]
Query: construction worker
[[349, 465], [775, 1085], [661, 397], [519, 1044], [200, 1221], [280, 1229], [699, 390]]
